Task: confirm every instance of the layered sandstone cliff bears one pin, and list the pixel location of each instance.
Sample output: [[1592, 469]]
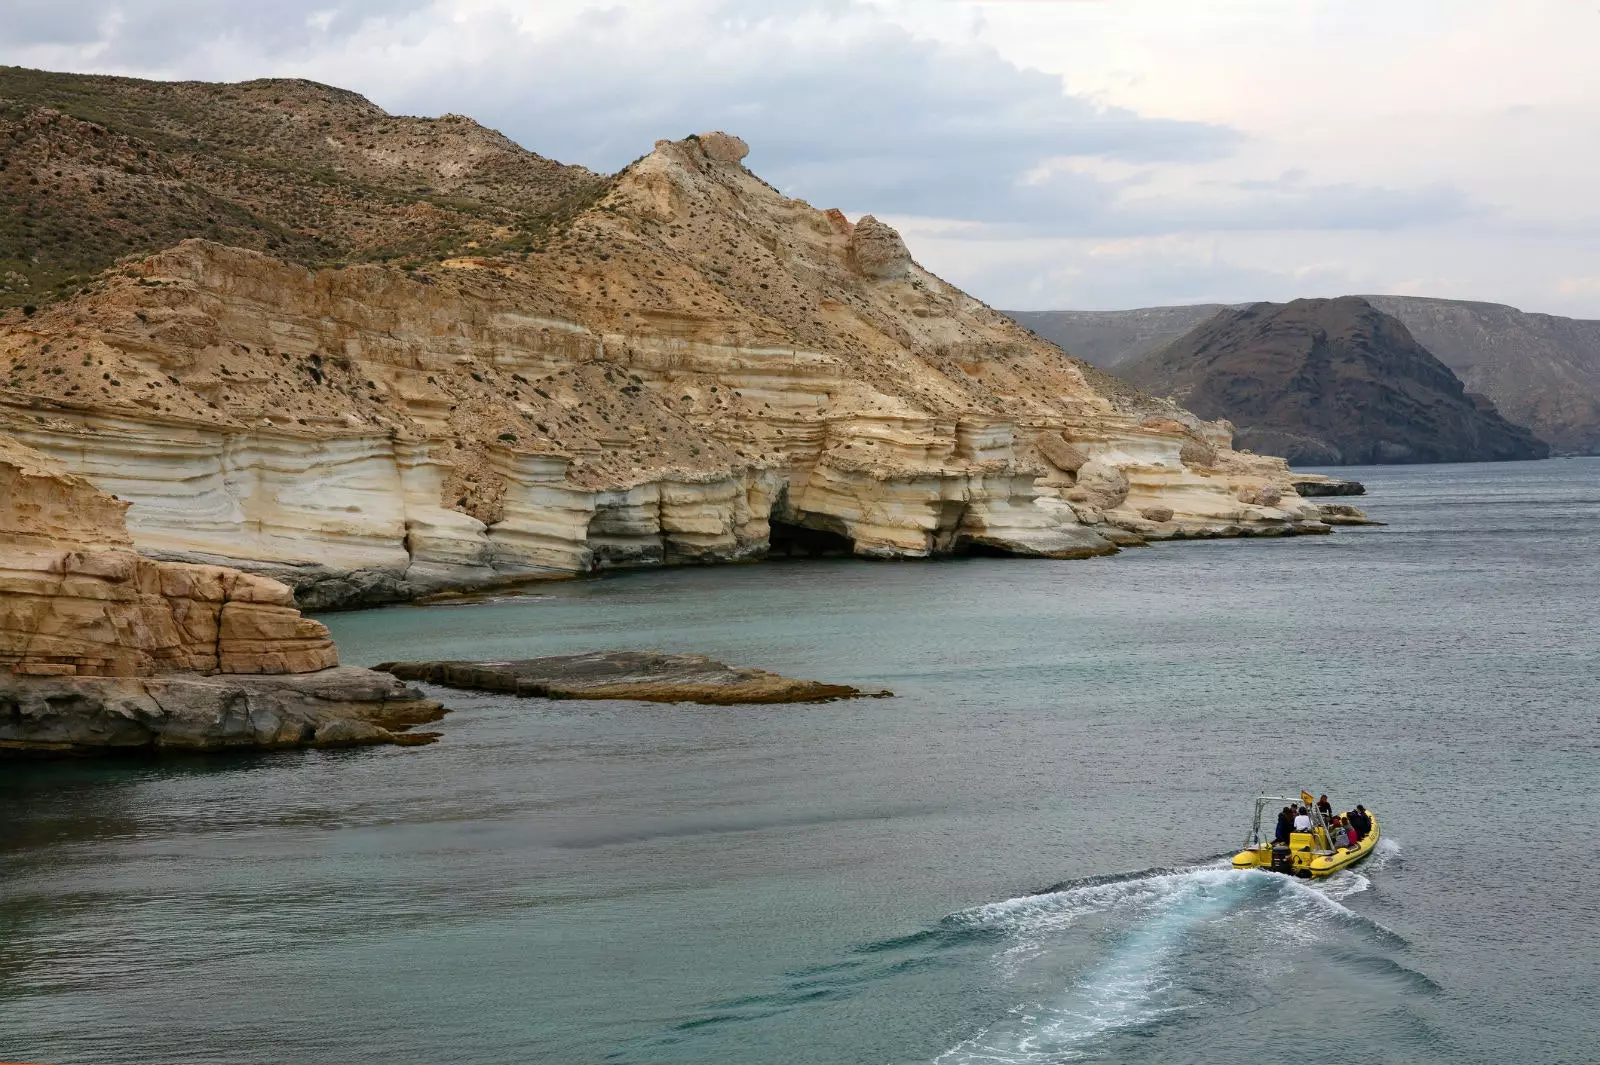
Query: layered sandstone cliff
[[103, 648], [692, 368]]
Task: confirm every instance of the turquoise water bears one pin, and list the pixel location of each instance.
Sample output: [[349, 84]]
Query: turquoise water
[[1013, 861]]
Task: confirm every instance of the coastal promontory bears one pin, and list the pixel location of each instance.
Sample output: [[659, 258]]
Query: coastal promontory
[[378, 357]]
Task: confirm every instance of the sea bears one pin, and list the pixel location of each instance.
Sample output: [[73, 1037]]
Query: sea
[[1021, 858]]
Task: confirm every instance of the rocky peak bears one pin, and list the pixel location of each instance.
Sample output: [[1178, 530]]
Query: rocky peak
[[723, 147]]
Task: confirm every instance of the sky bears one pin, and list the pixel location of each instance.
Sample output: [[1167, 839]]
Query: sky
[[1088, 154]]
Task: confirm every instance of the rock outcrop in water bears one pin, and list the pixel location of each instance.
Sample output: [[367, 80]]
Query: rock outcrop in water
[[1329, 486], [673, 364], [103, 649], [643, 675], [1328, 382]]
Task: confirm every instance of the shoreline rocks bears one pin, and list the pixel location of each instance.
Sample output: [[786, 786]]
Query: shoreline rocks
[[1329, 486], [105, 651], [637, 675], [339, 707]]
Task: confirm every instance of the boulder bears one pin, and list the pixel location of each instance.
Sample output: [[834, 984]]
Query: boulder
[[723, 147], [1058, 452], [1260, 495], [1101, 485], [878, 250]]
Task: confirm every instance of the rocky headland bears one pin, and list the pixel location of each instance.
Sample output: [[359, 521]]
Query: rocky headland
[[646, 676], [105, 650], [1329, 382], [376, 358]]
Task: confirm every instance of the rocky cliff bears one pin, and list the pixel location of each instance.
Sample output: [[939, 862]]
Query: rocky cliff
[[675, 363], [1326, 382], [102, 648], [1541, 371]]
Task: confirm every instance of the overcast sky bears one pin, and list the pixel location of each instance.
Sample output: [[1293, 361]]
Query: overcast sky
[[1077, 153]]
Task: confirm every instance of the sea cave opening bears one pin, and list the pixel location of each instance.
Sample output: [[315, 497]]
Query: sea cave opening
[[789, 540], [977, 549]]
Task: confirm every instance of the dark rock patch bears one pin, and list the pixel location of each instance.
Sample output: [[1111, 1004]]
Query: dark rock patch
[[642, 675]]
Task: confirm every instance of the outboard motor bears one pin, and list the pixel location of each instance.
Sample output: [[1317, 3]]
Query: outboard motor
[[1280, 859]]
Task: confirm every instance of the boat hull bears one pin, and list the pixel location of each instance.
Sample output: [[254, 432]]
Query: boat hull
[[1309, 856]]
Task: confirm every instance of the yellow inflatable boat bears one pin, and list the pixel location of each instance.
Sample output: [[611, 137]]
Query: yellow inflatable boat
[[1316, 853]]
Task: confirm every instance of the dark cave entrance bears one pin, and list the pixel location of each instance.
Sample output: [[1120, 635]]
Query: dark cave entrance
[[977, 549], [789, 540]]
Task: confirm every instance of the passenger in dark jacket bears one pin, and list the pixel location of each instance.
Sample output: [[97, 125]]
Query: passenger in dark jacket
[[1285, 825]]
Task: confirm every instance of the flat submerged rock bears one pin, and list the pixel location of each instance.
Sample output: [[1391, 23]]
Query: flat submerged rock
[[642, 675]]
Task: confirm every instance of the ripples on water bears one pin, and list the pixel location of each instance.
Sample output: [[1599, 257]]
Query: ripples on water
[[574, 883]]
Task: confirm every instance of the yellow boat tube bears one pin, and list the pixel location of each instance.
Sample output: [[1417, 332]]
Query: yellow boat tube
[[1307, 854]]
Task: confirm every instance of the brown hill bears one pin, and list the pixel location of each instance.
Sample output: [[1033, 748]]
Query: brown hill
[[673, 363], [1329, 382], [1541, 371], [93, 168]]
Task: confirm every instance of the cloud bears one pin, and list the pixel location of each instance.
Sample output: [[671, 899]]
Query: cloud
[[919, 111], [156, 33], [840, 105]]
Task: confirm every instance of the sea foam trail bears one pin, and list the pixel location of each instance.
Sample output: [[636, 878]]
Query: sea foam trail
[[1129, 986]]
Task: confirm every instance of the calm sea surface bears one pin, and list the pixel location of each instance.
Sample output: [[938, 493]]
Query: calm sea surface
[[1014, 861]]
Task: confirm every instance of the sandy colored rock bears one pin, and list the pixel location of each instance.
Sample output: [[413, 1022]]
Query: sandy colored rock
[[1102, 485], [723, 147], [878, 250], [639, 675], [75, 600], [1055, 450], [1261, 495], [656, 367]]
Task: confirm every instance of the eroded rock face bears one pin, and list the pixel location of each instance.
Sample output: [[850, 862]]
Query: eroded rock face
[[104, 650], [639, 675], [678, 364], [77, 601]]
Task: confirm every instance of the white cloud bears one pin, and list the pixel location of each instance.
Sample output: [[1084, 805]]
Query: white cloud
[[1159, 149]]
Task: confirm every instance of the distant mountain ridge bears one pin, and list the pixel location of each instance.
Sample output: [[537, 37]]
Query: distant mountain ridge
[[1542, 371], [1328, 382]]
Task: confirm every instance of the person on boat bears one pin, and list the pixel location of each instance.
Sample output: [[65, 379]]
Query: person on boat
[[1352, 826], [1302, 820], [1325, 808], [1341, 834], [1285, 825], [1363, 820]]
